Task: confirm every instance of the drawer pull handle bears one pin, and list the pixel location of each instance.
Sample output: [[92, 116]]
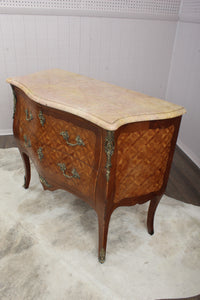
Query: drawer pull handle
[[27, 143], [63, 169], [42, 118], [40, 153], [29, 116], [79, 141]]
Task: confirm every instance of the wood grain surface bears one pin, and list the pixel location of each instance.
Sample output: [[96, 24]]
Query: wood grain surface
[[147, 152], [128, 166]]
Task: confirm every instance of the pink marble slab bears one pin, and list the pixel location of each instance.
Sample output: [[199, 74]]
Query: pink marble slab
[[104, 104]]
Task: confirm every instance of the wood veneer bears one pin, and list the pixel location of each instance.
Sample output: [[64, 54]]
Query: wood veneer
[[123, 167]]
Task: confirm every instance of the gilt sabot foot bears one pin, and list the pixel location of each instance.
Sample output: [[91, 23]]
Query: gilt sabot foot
[[102, 256]]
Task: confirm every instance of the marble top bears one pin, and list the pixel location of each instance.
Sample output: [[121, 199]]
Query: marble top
[[104, 104]]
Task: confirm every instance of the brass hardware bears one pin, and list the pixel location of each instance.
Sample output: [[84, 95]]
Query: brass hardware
[[29, 116], [74, 172], [102, 256], [24, 185], [79, 141], [27, 143], [40, 153], [109, 149], [14, 101], [43, 180], [42, 118]]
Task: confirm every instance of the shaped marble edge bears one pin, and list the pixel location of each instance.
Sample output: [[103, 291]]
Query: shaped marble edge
[[174, 111]]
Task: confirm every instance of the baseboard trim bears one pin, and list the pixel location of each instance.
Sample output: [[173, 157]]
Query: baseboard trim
[[189, 153], [6, 131]]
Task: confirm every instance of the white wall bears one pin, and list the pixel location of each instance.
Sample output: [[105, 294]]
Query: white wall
[[184, 86], [132, 53]]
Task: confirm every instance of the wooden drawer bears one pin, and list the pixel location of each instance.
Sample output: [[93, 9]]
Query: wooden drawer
[[57, 133], [69, 138], [61, 168], [65, 171]]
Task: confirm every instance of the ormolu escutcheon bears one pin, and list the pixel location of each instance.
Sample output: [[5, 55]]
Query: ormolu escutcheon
[[14, 102], [43, 181], [109, 149], [29, 115], [40, 153], [27, 143], [42, 118]]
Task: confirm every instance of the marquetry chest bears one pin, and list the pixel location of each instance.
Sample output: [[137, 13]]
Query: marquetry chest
[[108, 145]]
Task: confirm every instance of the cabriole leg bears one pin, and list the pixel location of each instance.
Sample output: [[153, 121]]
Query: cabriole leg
[[103, 232], [151, 212], [27, 168]]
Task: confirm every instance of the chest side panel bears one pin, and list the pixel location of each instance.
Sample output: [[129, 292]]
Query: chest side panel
[[142, 158]]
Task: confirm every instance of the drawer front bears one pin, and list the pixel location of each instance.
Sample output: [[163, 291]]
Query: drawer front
[[59, 169], [57, 133], [65, 171], [68, 138]]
